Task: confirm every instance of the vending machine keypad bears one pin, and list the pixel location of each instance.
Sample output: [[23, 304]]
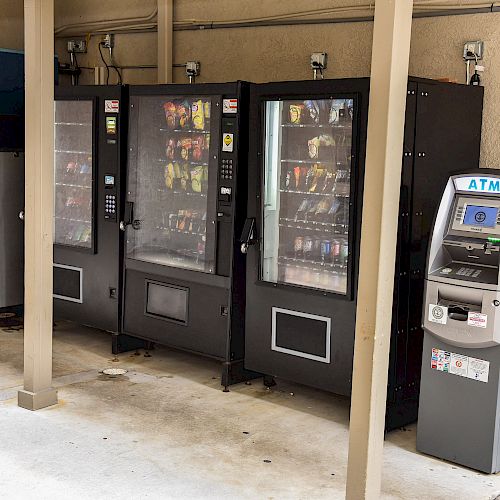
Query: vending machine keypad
[[226, 171], [110, 206]]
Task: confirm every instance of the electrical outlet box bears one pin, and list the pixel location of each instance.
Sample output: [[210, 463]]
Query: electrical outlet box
[[319, 60], [108, 41], [77, 46], [192, 68], [473, 50]]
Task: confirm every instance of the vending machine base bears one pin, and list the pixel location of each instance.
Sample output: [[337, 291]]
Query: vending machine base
[[459, 414]]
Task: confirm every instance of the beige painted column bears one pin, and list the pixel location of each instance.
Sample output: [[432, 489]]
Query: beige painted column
[[386, 116], [39, 206], [165, 40]]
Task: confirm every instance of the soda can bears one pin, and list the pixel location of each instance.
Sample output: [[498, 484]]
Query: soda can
[[325, 250], [335, 251], [308, 247], [298, 246]]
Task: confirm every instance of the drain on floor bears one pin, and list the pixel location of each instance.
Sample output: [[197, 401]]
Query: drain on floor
[[113, 372]]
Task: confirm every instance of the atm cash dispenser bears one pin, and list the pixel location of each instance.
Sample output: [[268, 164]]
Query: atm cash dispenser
[[459, 395]]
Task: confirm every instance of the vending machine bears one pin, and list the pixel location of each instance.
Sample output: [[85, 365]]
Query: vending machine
[[459, 400], [185, 204], [90, 151], [11, 178], [302, 235]]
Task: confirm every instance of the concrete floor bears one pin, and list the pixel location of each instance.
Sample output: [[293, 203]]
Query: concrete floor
[[166, 430]]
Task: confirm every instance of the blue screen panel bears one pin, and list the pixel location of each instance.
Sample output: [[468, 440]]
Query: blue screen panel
[[481, 216]]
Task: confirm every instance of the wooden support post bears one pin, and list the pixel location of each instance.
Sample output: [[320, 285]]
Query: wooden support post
[[165, 40], [386, 116], [39, 206]]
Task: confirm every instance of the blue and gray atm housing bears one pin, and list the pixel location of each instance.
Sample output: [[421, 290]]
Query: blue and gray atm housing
[[459, 399]]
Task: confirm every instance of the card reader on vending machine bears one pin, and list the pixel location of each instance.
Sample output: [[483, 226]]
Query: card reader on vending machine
[[459, 395]]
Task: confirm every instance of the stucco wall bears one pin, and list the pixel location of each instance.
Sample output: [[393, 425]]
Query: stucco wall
[[279, 53], [11, 24]]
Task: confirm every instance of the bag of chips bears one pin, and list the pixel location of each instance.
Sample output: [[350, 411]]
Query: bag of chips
[[296, 111], [171, 115], [169, 176], [198, 115], [184, 114], [196, 179]]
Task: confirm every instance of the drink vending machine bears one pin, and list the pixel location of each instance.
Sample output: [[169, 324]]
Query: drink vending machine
[[459, 400], [12, 178], [90, 151], [302, 235], [186, 198]]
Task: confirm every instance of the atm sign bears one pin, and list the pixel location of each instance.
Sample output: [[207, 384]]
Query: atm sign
[[478, 184]]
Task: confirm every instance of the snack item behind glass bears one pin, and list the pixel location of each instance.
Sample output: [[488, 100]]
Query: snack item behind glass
[[197, 146], [169, 176], [196, 179], [206, 110], [184, 176], [170, 150], [296, 112], [313, 109], [198, 115], [185, 146], [184, 114], [171, 115], [315, 143], [335, 107]]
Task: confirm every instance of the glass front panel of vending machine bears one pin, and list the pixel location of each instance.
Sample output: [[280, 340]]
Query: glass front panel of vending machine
[[170, 183], [73, 175], [307, 172]]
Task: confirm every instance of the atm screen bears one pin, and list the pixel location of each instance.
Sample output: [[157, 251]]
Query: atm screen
[[480, 216]]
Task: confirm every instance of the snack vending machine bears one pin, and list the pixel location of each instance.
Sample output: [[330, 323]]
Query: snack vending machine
[[186, 197], [90, 130], [302, 235]]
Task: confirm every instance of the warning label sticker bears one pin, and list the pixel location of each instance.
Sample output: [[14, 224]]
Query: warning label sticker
[[458, 364], [479, 369], [111, 106], [438, 314], [227, 142], [477, 319], [230, 105]]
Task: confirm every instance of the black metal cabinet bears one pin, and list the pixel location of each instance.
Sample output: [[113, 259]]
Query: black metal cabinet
[[90, 152], [299, 327]]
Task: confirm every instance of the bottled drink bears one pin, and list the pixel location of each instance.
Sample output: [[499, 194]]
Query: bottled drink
[[344, 252], [326, 249], [308, 248], [335, 251], [298, 247]]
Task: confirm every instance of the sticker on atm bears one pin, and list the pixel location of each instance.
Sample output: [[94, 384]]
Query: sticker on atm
[[460, 365], [438, 314], [110, 125], [440, 360], [477, 319]]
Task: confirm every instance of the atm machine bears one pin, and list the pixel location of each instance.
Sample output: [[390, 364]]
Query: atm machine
[[459, 396]]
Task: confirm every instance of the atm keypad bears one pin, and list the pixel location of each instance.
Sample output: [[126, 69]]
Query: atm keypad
[[226, 170]]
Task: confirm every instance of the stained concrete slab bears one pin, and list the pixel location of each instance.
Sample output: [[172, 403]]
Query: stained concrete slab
[[166, 430]]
